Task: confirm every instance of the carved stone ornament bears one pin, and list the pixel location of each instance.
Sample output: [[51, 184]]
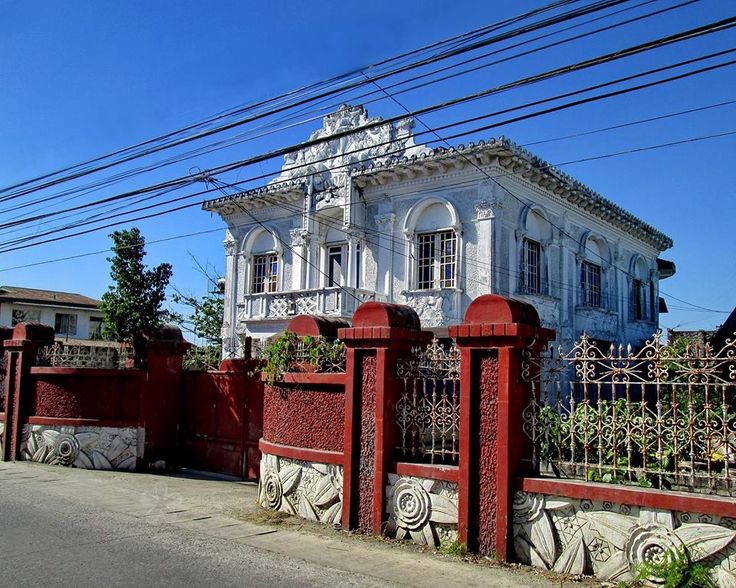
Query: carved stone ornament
[[429, 307], [92, 448], [334, 157], [612, 541], [385, 222], [298, 237], [310, 490], [422, 510], [231, 246], [484, 210]]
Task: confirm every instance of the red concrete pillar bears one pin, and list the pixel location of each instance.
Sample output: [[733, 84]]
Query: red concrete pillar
[[381, 333], [493, 447], [20, 354], [160, 406]]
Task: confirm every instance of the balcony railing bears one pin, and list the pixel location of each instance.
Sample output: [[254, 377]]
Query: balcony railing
[[337, 302]]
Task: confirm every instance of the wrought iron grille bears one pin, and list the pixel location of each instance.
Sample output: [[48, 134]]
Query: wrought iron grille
[[662, 416], [428, 410], [61, 354]]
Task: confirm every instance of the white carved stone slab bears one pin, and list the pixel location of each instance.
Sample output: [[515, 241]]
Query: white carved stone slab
[[612, 541], [311, 490], [421, 509], [99, 448]]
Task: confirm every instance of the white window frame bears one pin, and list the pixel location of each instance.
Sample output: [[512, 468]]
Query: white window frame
[[436, 261], [527, 286], [269, 281]]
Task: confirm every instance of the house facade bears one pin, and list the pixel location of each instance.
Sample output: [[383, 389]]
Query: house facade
[[73, 316], [362, 212]]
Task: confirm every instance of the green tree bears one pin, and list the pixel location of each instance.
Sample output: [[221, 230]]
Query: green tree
[[132, 306], [204, 320]]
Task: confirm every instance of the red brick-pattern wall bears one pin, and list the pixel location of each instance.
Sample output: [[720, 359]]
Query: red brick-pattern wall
[[367, 442], [487, 451], [304, 417]]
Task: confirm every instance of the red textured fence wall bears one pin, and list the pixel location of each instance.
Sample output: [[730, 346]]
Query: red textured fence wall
[[308, 412], [72, 393], [222, 422]]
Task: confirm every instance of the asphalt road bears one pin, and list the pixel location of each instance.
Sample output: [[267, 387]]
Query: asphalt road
[[47, 540], [68, 527]]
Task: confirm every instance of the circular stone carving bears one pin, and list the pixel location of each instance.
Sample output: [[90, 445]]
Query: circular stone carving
[[652, 544], [66, 448], [527, 507], [412, 504], [272, 490]]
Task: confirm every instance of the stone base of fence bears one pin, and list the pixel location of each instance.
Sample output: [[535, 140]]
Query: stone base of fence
[[574, 527]]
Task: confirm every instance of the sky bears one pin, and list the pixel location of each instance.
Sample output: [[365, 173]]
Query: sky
[[80, 79]]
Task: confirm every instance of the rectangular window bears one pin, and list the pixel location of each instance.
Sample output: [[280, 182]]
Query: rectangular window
[[25, 316], [265, 273], [590, 284], [530, 267], [65, 324], [335, 257], [95, 327], [637, 300], [436, 261]]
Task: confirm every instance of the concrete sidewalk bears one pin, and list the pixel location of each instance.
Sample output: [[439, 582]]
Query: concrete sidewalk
[[225, 509]]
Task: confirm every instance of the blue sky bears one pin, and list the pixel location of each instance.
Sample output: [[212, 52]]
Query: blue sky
[[79, 79]]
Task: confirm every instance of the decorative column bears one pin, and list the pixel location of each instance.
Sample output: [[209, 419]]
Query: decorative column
[[493, 447], [385, 254], [484, 216], [299, 240], [381, 333], [230, 322], [20, 354]]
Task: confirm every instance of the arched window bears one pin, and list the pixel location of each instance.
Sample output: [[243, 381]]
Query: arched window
[[262, 251], [594, 255], [432, 230], [535, 234]]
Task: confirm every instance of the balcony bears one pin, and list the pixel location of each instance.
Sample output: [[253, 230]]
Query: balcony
[[336, 302]]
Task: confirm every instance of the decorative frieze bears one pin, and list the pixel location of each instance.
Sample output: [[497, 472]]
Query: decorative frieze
[[612, 541], [421, 509], [93, 448], [310, 490]]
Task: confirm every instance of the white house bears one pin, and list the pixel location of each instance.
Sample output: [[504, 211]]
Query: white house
[[364, 213], [73, 316]]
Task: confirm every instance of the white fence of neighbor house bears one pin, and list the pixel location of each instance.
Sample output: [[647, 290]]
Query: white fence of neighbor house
[[660, 416], [428, 409], [80, 355]]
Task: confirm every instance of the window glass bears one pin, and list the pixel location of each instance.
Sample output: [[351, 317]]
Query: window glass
[[335, 260], [437, 259], [65, 324], [265, 273], [590, 284], [530, 267]]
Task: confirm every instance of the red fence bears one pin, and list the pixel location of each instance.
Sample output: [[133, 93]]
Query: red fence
[[128, 418]]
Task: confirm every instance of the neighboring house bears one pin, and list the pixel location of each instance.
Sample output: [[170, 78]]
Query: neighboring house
[[379, 217], [73, 316]]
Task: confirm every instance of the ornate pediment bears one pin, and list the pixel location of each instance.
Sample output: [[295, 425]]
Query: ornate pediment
[[333, 158]]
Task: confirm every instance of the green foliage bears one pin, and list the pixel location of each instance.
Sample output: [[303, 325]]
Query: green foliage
[[132, 306], [454, 548], [282, 353], [676, 571], [204, 320], [279, 354]]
